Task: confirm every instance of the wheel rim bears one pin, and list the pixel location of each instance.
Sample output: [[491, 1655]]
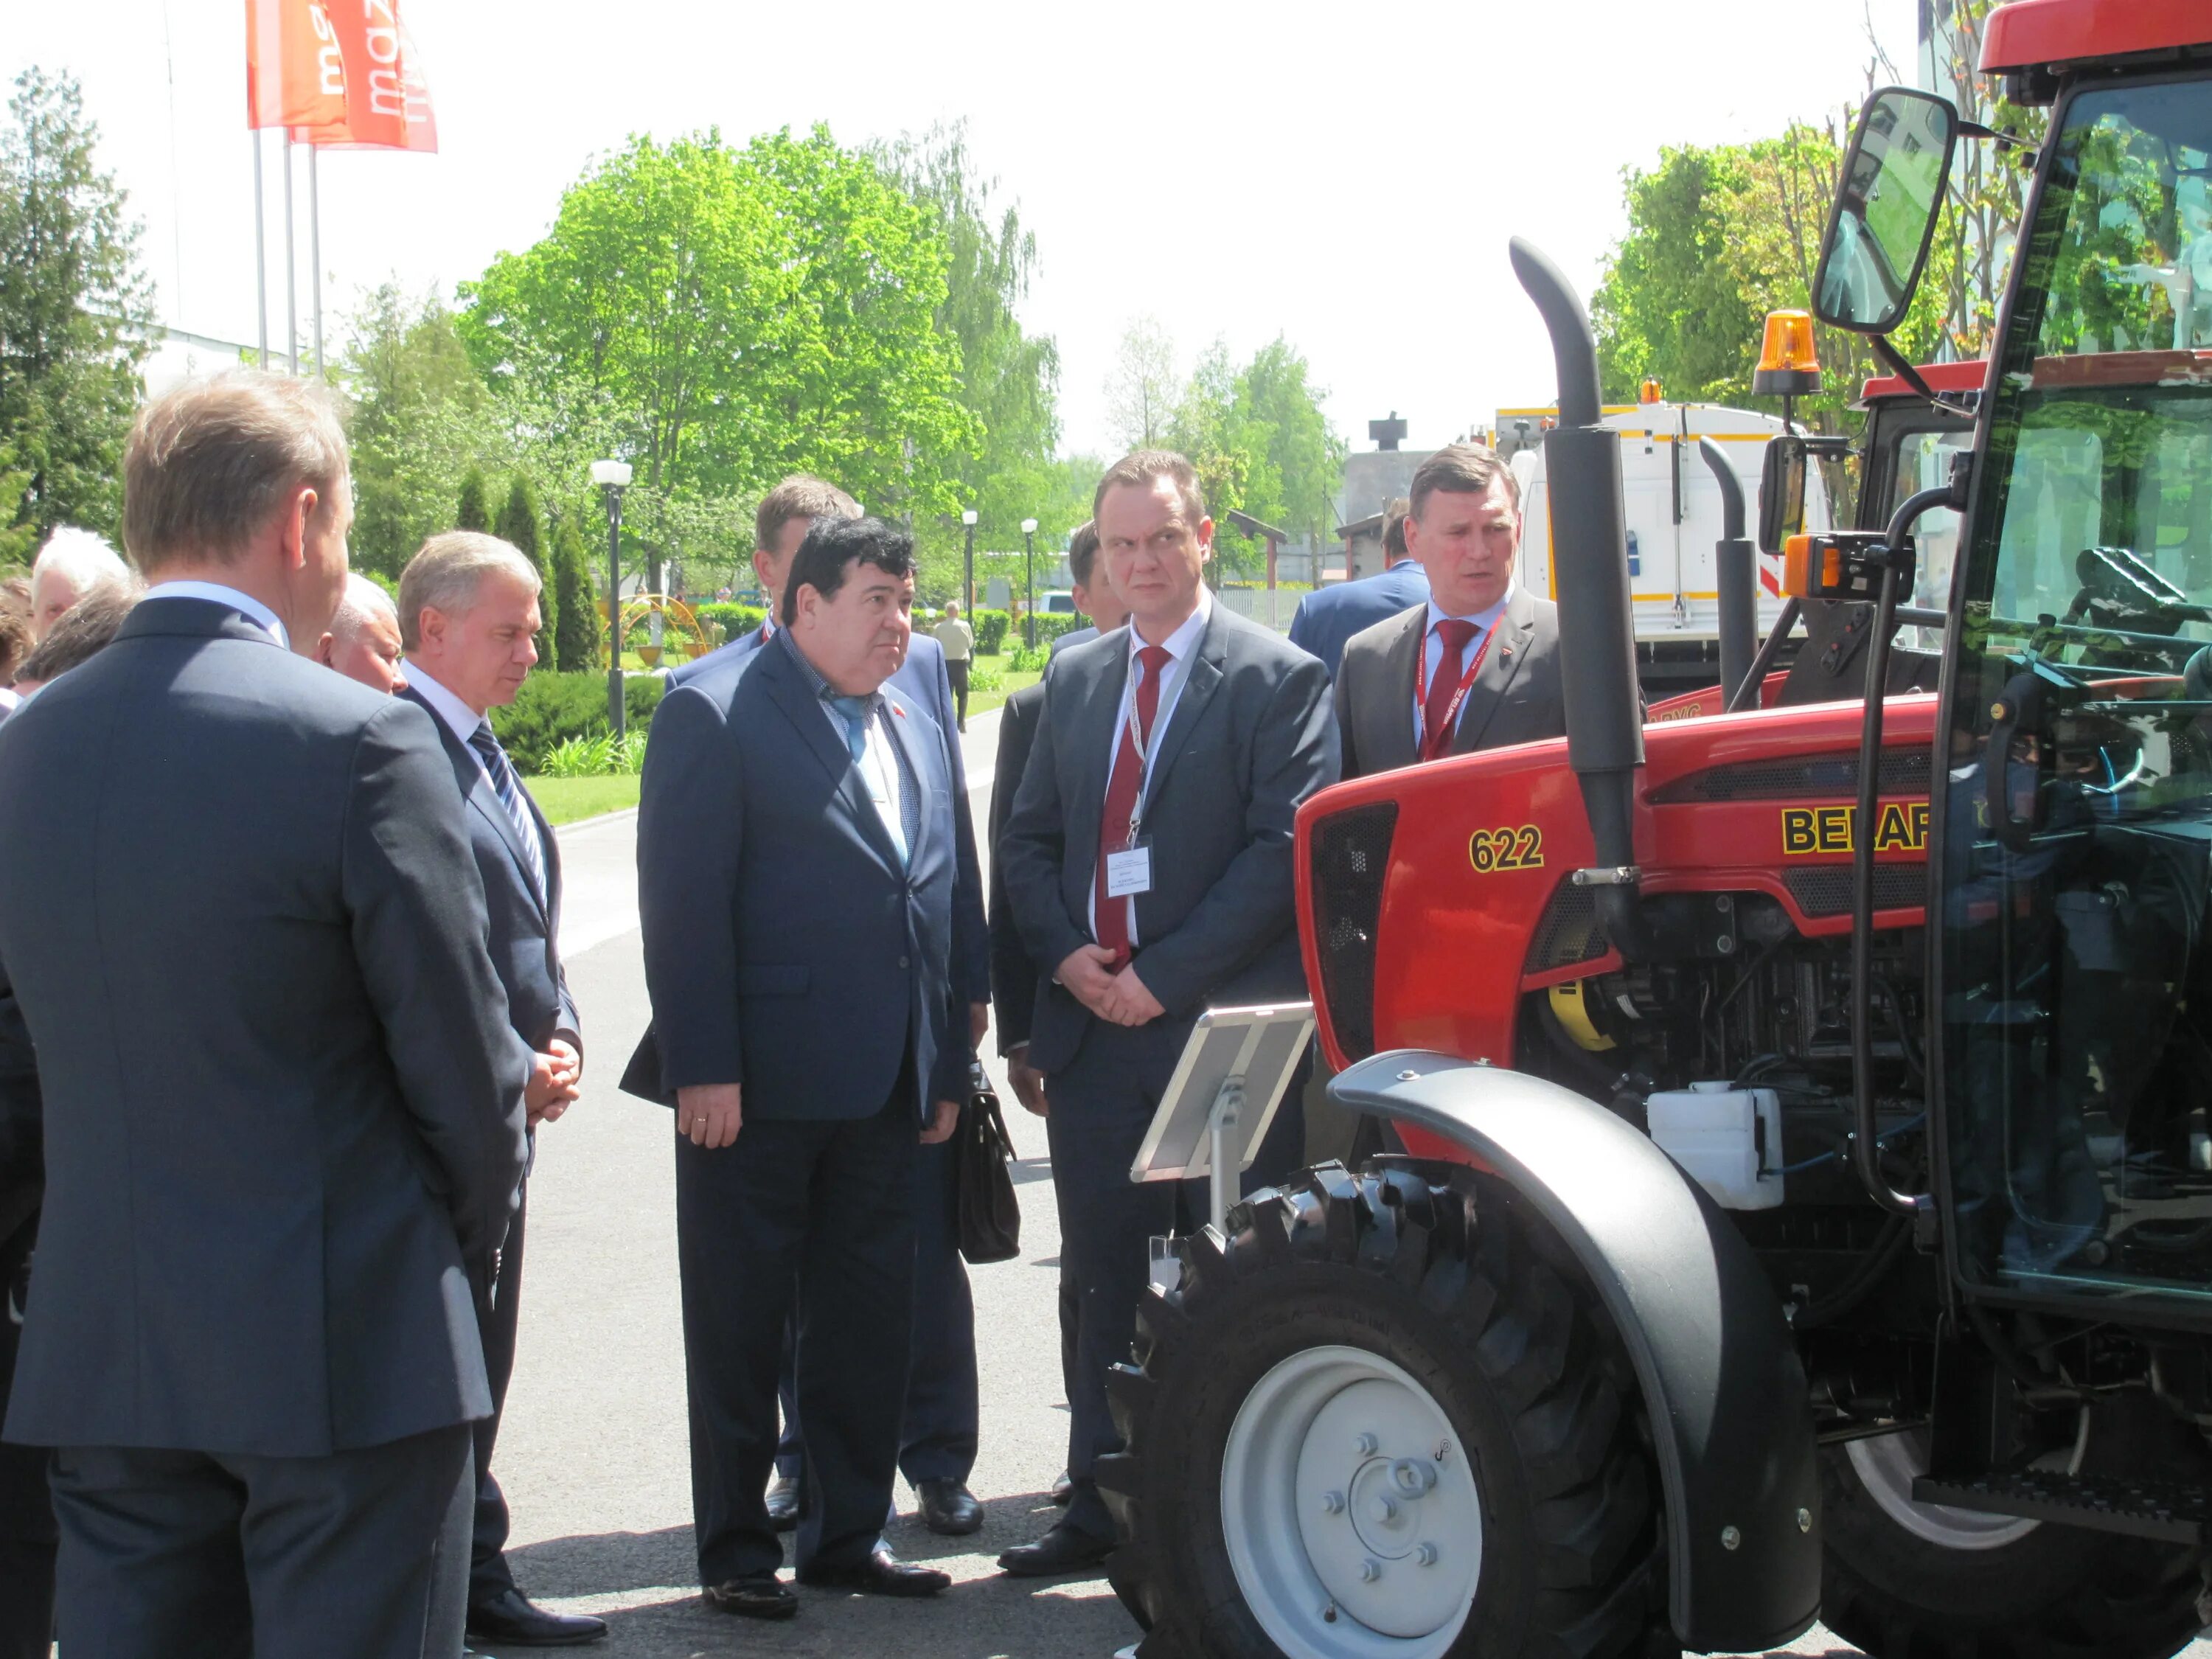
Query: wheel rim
[[1888, 1464], [1350, 1510]]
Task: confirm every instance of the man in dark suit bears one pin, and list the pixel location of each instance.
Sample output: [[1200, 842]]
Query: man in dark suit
[[283, 1111], [1477, 665], [468, 622], [797, 871], [1328, 616], [938, 1448], [1149, 863]]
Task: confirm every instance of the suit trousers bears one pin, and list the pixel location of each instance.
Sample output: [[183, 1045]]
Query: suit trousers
[[937, 1435], [1102, 1103], [26, 1511], [193, 1555], [819, 1216], [488, 1574]]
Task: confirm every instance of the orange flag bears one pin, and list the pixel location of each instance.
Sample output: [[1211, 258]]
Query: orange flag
[[384, 101], [294, 69]]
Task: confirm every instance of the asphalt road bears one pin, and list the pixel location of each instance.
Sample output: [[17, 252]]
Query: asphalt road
[[593, 1451]]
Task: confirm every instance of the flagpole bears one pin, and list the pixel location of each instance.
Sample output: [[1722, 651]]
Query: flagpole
[[260, 252], [291, 267], [315, 248]]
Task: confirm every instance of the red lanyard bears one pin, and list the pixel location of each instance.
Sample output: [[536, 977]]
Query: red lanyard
[[1458, 697]]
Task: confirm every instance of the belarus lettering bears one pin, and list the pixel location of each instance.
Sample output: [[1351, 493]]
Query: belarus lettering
[[1901, 826]]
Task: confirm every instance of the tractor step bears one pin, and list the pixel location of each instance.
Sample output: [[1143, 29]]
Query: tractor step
[[2169, 1513]]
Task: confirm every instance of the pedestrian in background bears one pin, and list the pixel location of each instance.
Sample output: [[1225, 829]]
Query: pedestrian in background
[[72, 565], [959, 642], [241, 947], [797, 870], [362, 641], [1093, 595], [81, 633], [469, 623], [1148, 861], [1328, 616]]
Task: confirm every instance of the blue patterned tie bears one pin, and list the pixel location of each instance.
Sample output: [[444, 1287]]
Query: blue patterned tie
[[853, 712], [509, 788]]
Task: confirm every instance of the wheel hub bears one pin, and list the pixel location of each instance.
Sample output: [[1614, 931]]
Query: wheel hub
[[1350, 1510]]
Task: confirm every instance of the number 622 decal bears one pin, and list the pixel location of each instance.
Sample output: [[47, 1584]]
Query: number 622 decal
[[1491, 851]]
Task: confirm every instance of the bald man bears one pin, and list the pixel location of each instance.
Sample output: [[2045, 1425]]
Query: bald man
[[362, 641]]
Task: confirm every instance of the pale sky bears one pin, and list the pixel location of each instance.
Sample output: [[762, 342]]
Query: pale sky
[[1348, 176]]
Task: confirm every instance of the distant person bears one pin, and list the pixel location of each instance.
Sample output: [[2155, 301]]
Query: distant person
[[72, 565], [468, 609], [281, 1111], [959, 642], [1328, 616], [1093, 595], [79, 634], [14, 645], [797, 873], [1477, 664], [362, 641]]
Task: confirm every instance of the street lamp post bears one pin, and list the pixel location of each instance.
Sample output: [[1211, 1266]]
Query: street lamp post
[[613, 477], [967, 581], [1029, 560]]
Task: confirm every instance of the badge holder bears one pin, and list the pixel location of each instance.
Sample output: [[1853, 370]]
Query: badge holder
[[1218, 1107]]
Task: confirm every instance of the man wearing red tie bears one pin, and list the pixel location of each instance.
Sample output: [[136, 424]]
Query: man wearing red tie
[[1148, 864], [1477, 666]]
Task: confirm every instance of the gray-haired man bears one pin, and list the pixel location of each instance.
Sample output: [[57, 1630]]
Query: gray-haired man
[[362, 641], [468, 618]]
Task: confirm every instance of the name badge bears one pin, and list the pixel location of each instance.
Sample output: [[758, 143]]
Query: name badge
[[1129, 872]]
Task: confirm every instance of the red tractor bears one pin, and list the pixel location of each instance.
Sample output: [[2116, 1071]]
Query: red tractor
[[1798, 1193]]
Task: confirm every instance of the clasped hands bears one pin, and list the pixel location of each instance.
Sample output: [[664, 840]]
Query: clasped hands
[[1120, 998], [710, 1114], [556, 1079]]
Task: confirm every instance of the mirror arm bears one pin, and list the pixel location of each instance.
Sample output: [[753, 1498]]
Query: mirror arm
[[1901, 366], [2004, 140]]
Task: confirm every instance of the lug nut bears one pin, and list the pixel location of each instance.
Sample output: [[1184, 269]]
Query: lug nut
[[1385, 1511], [1367, 1444], [1426, 1555], [1332, 1502], [1730, 1538], [1369, 1571]]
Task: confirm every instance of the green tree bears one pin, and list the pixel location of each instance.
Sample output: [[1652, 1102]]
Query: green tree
[[470, 511], [576, 633], [75, 315], [518, 524], [1262, 445]]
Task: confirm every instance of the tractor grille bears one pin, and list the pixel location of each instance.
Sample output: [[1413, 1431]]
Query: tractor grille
[[1568, 931], [1351, 853], [1825, 889], [1800, 777]]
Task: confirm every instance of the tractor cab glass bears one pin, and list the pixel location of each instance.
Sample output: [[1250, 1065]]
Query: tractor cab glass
[[2074, 936], [1891, 192]]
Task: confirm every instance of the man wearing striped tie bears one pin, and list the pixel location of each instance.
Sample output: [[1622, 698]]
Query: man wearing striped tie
[[468, 614]]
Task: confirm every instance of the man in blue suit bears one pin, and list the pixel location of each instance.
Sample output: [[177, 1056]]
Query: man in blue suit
[[796, 873], [1328, 616], [943, 1411]]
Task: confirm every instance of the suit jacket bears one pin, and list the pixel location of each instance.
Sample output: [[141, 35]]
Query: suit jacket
[[1329, 617], [1013, 976], [1514, 698], [786, 947], [1250, 738], [282, 1108], [525, 928]]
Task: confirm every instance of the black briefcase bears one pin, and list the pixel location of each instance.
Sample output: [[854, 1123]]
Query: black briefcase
[[990, 1215]]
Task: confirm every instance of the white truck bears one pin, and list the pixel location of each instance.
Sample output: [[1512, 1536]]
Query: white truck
[[1673, 505]]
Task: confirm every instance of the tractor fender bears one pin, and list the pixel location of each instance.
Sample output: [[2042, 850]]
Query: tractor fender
[[1731, 1417]]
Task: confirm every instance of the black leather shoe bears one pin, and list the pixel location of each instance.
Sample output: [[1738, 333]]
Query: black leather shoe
[[1062, 1490], [1064, 1549], [513, 1618], [765, 1597], [783, 1503], [881, 1574], [947, 1506]]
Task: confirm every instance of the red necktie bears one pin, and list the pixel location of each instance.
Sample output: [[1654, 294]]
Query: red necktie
[[1121, 787], [1444, 686]]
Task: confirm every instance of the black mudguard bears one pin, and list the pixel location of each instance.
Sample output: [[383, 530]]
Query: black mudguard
[[1731, 1418]]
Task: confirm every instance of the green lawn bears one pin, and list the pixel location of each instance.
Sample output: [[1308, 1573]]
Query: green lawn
[[563, 800], [981, 703]]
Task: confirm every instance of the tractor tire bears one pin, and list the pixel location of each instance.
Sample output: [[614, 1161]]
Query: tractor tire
[[1916, 1582], [1383, 1417]]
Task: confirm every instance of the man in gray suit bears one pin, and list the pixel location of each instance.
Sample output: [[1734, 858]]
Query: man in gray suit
[[1477, 665], [282, 1109], [469, 629], [1148, 861]]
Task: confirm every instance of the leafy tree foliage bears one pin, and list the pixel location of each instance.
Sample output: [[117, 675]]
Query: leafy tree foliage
[[575, 626], [76, 316], [518, 524], [1262, 445], [470, 511], [1142, 396]]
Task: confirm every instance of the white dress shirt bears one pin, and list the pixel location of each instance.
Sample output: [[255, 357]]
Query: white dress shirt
[[463, 721], [879, 768], [252, 608], [1181, 646], [1432, 648]]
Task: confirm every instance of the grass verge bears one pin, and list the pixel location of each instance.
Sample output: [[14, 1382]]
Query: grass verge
[[982, 702], [564, 800]]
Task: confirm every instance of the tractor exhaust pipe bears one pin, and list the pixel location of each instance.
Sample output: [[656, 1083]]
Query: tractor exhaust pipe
[[1733, 564], [1597, 632]]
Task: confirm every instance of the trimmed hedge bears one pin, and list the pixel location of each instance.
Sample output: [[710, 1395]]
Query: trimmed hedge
[[737, 620], [993, 628], [554, 708]]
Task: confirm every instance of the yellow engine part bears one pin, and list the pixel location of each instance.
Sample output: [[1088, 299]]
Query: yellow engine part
[[1573, 1013]]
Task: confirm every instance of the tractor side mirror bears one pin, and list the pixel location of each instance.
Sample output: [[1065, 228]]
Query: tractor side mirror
[[1886, 203], [1782, 492]]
